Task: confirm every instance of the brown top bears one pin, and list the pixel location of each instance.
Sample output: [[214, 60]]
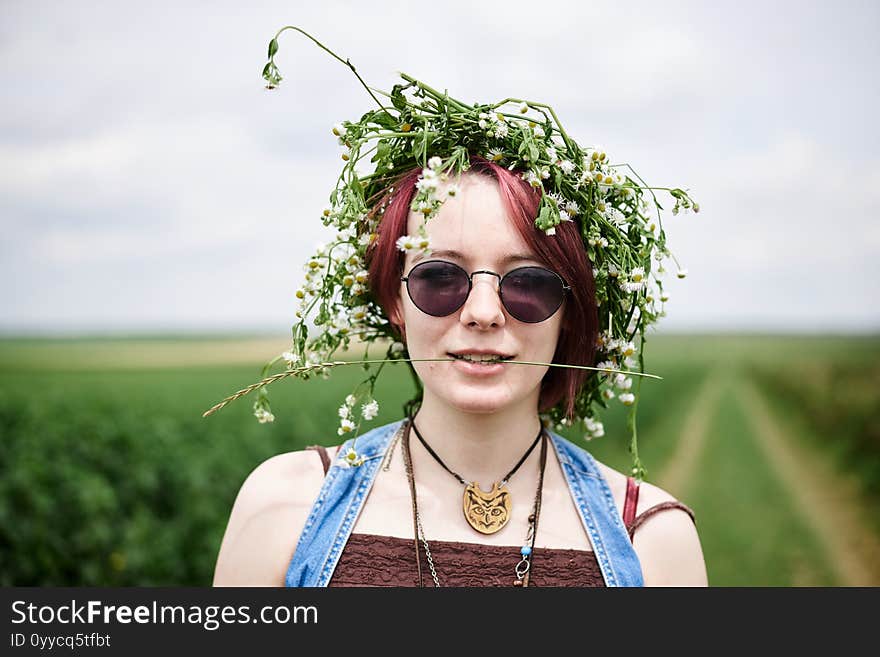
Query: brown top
[[373, 560]]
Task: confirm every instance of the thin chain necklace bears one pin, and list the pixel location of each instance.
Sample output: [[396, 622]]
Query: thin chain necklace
[[522, 568], [485, 512]]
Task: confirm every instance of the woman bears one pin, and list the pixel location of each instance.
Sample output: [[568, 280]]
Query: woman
[[510, 264], [479, 419]]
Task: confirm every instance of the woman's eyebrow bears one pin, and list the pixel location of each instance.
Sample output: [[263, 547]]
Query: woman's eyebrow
[[450, 253]]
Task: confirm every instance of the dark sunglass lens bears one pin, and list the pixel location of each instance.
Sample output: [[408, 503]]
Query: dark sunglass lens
[[438, 288], [532, 294]]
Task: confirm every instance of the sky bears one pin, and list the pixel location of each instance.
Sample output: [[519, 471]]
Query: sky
[[149, 182]]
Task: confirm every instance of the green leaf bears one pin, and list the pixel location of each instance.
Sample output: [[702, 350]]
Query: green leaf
[[273, 48], [397, 98], [356, 186], [533, 152], [382, 150]]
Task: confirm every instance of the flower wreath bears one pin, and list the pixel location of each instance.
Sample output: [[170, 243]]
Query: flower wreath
[[617, 213]]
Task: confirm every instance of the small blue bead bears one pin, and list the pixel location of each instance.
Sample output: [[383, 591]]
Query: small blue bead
[[525, 551]]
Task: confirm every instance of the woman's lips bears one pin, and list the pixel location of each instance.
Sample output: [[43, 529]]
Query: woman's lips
[[478, 369]]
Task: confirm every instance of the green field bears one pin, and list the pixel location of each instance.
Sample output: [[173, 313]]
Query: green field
[[110, 476]]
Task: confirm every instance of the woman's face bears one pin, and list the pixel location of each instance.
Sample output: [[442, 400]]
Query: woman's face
[[472, 229]]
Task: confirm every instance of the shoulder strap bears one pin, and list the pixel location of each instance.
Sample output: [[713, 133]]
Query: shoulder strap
[[631, 522], [631, 502], [322, 452], [662, 506]]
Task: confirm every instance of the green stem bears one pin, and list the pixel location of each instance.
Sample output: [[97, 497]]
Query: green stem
[[333, 54], [336, 363], [436, 94]]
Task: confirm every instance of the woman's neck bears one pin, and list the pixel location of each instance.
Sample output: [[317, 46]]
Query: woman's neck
[[480, 447]]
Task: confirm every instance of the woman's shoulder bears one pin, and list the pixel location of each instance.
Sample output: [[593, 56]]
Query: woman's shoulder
[[266, 519], [667, 541]]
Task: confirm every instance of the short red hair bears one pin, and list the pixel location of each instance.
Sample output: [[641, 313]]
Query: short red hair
[[563, 252]]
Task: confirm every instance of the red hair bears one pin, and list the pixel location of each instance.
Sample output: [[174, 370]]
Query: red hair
[[563, 252]]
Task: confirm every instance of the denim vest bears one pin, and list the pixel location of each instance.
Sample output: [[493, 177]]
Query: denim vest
[[345, 489]]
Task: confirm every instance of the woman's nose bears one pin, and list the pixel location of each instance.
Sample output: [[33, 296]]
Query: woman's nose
[[483, 305]]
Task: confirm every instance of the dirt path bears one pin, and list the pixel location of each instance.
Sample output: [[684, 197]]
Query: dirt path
[[683, 463], [827, 502]]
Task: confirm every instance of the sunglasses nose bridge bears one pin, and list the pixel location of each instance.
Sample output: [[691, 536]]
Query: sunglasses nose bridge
[[485, 271], [481, 307]]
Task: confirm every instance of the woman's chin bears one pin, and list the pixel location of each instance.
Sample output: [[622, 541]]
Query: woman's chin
[[480, 402]]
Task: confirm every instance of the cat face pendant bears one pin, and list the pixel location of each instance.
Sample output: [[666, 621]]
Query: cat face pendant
[[486, 512]]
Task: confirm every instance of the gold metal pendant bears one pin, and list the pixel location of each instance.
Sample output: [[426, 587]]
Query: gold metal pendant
[[486, 512]]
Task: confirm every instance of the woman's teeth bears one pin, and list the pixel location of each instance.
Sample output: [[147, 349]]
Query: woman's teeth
[[479, 359]]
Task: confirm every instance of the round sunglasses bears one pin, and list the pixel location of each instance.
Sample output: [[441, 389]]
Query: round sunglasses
[[530, 294]]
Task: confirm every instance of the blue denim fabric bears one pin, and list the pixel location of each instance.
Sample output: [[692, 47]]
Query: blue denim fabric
[[345, 489]]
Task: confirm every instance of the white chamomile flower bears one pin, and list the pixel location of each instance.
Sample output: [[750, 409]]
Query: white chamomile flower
[[539, 131], [501, 130], [339, 130], [627, 348], [607, 366], [495, 155], [344, 411], [397, 348], [263, 416], [452, 190], [407, 243], [435, 163], [523, 108], [681, 273], [345, 426], [290, 358], [572, 208], [358, 313], [545, 173], [350, 459], [427, 183], [594, 427], [370, 410], [623, 382], [664, 297], [567, 166], [550, 231], [350, 400], [627, 398], [551, 154], [608, 394], [637, 280], [532, 178], [357, 289]]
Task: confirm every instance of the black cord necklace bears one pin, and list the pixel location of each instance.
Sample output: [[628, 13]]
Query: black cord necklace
[[523, 567], [485, 512]]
